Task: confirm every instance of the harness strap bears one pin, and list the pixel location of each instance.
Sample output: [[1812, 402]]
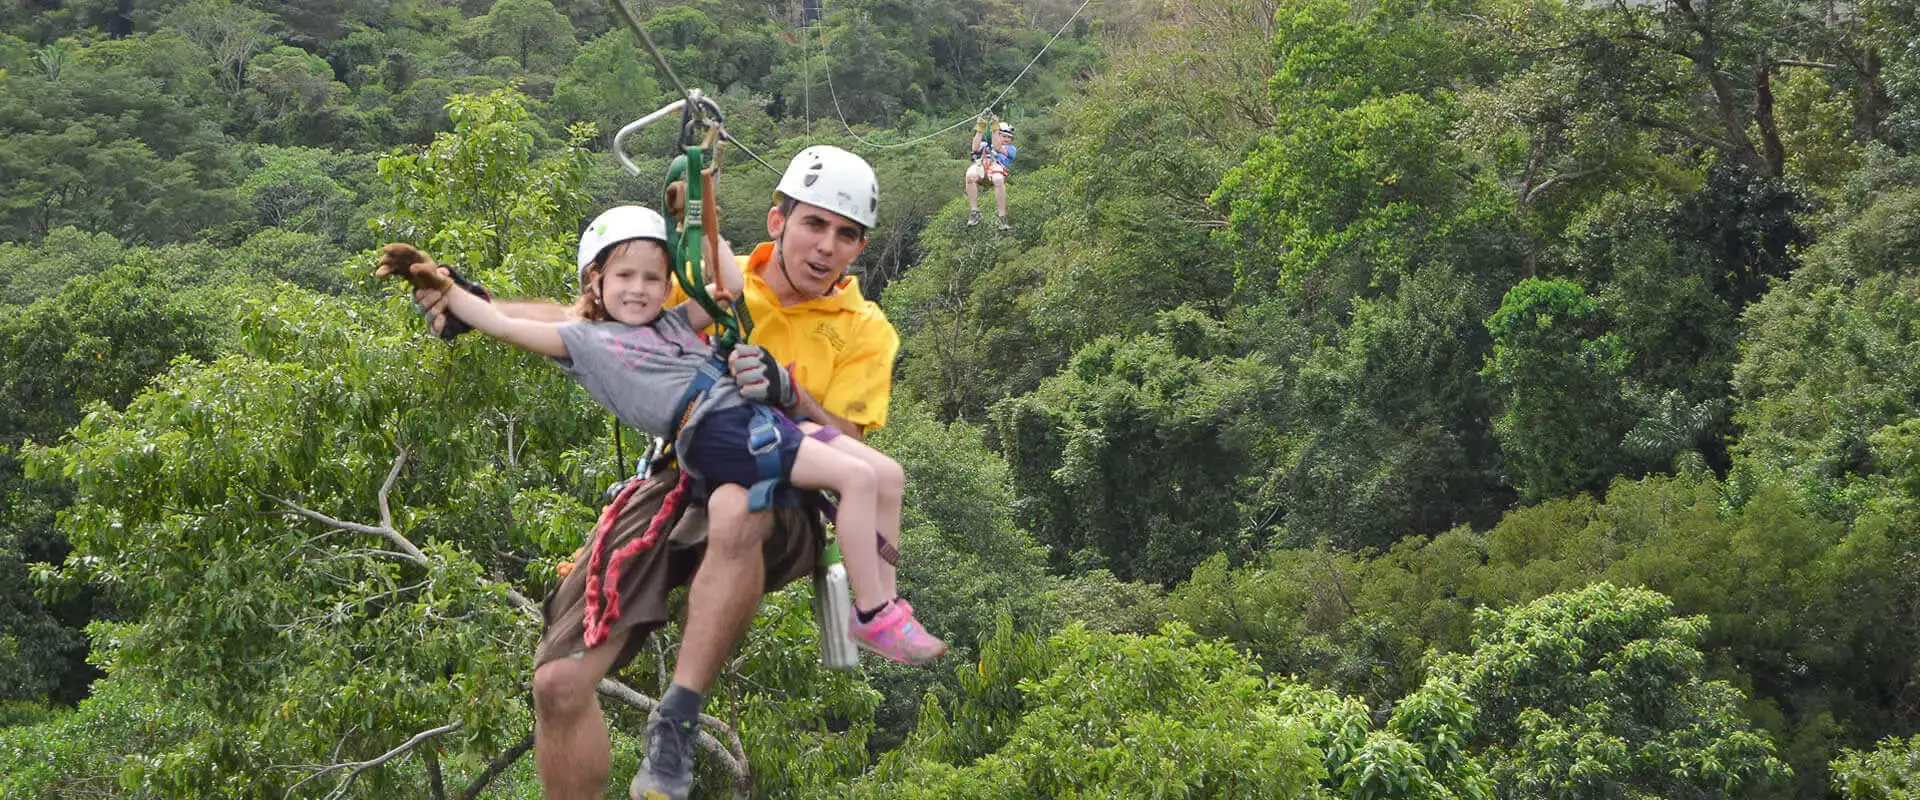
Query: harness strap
[[763, 441], [763, 434]]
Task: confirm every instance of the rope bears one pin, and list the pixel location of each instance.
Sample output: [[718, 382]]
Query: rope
[[970, 118], [806, 67]]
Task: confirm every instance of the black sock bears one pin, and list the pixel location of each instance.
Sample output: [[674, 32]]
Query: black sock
[[681, 704], [867, 616]]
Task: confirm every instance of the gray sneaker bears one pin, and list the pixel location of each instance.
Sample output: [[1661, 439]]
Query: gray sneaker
[[667, 771], [973, 218], [1005, 225]]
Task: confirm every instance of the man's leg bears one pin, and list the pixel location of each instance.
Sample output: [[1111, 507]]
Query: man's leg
[[569, 733], [726, 589], [1000, 193], [720, 604]]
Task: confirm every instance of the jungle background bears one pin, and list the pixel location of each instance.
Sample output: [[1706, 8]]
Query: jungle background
[[1373, 398]]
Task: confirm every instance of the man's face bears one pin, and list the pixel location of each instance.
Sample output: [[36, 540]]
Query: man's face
[[816, 247], [1002, 138]]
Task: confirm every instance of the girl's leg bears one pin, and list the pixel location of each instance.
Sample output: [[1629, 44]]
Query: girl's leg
[[819, 466], [887, 627], [890, 483]]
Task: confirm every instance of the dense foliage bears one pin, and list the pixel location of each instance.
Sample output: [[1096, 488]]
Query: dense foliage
[[1491, 398]]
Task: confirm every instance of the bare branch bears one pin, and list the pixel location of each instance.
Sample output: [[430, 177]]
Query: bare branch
[[498, 765], [408, 551], [355, 768], [1564, 177], [732, 755], [386, 513], [342, 525], [1788, 62], [1690, 133]]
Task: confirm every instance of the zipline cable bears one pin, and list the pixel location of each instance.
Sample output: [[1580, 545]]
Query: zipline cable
[[974, 116], [750, 154], [658, 59]]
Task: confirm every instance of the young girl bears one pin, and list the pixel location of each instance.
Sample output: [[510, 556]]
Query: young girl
[[643, 363]]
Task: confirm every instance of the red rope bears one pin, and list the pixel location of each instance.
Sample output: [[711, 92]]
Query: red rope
[[603, 592]]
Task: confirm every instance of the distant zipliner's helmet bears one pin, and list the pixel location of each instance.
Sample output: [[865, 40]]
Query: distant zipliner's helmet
[[833, 179], [1006, 128], [613, 226]]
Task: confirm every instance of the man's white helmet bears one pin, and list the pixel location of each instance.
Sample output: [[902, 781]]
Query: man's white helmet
[[1006, 128], [616, 225], [833, 179]]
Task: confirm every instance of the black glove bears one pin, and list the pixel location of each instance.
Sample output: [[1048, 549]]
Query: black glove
[[761, 378], [453, 326]]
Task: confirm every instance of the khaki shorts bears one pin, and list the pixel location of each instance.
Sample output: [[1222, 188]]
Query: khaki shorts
[[984, 175], [791, 551]]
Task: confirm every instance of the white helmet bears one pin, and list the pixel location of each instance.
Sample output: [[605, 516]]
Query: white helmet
[[833, 179], [1006, 128], [616, 225]]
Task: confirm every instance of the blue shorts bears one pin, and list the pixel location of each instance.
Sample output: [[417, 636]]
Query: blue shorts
[[719, 453]]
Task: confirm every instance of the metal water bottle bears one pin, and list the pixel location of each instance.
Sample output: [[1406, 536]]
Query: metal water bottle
[[832, 608]]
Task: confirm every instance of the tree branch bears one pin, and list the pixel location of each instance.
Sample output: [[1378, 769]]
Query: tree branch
[[355, 768], [1788, 62], [497, 766], [408, 552], [1690, 133], [386, 512], [1564, 177]]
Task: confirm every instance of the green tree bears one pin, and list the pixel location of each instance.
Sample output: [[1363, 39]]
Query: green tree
[[486, 192], [1560, 423], [1598, 693], [1137, 454], [608, 83], [230, 35], [1889, 771], [534, 34], [1829, 356]]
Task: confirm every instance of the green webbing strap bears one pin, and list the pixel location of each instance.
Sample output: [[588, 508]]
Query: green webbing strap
[[683, 246]]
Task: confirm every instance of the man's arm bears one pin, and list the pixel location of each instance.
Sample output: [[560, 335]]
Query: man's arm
[[806, 406]]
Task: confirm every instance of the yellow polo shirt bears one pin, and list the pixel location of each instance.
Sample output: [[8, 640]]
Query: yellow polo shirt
[[840, 347]]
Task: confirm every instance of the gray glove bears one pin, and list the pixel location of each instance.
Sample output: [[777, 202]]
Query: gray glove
[[761, 378]]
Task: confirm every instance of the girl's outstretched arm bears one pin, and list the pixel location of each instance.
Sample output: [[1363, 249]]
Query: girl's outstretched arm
[[539, 337], [407, 262]]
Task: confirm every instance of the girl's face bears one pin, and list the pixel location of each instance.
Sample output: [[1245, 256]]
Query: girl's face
[[635, 281]]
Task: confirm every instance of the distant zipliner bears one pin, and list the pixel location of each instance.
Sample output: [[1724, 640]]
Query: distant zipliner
[[978, 117], [991, 159]]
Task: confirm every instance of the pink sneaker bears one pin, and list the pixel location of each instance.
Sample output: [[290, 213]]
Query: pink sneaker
[[895, 635]]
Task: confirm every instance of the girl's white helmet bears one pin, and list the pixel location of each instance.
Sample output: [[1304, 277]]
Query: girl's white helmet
[[833, 179], [616, 225]]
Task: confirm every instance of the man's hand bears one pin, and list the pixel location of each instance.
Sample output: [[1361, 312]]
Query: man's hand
[[761, 378]]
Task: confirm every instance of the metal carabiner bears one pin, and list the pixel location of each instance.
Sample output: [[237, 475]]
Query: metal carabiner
[[620, 139]]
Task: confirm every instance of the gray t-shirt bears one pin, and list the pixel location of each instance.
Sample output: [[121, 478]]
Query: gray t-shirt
[[641, 372]]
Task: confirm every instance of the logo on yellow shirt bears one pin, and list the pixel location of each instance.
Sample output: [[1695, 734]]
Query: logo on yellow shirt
[[825, 331]]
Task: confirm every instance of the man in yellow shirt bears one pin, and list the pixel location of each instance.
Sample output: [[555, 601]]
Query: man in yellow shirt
[[817, 340]]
